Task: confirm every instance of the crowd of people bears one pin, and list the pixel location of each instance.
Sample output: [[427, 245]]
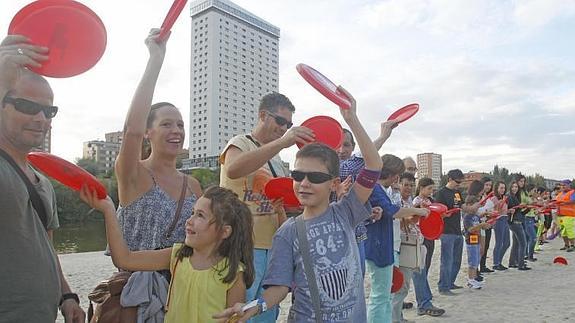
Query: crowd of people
[[231, 254]]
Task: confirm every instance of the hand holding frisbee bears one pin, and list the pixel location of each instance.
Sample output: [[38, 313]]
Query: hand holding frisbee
[[66, 173], [171, 18], [324, 86], [74, 34]]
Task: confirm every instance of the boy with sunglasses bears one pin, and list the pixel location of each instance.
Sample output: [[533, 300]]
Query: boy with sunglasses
[[33, 286], [251, 160], [330, 236]]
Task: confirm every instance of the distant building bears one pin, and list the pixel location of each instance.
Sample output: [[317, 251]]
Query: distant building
[[473, 176], [234, 63], [550, 183], [104, 153], [430, 165]]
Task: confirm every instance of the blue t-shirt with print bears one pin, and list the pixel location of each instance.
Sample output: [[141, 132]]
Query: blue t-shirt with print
[[335, 261]]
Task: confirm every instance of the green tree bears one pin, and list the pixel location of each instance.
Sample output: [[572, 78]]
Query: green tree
[[89, 165], [207, 177]]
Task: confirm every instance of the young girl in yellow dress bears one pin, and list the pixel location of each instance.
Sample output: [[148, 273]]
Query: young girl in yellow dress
[[210, 269]]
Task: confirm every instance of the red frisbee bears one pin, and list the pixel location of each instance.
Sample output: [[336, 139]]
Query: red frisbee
[[327, 131], [66, 173], [404, 113], [451, 211], [323, 85], [171, 18], [74, 34], [431, 226], [397, 281], [282, 187], [560, 260]]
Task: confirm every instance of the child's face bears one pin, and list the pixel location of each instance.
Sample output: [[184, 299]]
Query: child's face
[[201, 228], [308, 193], [501, 189], [514, 188], [487, 187], [426, 191]]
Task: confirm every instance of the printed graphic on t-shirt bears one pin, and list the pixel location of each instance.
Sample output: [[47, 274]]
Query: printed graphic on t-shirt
[[457, 200], [335, 269], [254, 192]]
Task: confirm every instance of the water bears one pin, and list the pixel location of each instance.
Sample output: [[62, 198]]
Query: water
[[89, 236]]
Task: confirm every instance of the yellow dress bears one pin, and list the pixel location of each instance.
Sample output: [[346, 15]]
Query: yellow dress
[[196, 295]]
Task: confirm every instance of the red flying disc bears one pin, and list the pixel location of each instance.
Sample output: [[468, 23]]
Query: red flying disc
[[74, 34], [326, 129], [323, 85], [397, 281], [282, 187], [171, 17], [451, 211], [66, 173], [404, 113], [560, 260], [431, 226]]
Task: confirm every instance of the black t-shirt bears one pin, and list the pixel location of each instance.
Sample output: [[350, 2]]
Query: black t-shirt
[[452, 199]]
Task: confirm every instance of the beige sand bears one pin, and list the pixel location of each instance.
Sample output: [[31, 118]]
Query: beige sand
[[544, 294]]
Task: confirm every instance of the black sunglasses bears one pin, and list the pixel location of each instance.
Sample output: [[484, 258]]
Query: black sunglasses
[[313, 177], [30, 107], [281, 121]]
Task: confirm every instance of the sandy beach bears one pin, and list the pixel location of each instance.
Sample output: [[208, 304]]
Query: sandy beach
[[544, 294]]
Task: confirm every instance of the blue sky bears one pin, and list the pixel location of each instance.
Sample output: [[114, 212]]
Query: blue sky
[[494, 79]]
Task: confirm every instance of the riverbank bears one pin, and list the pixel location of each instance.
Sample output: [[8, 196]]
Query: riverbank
[[544, 294]]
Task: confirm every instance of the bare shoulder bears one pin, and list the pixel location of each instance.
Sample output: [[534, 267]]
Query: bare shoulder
[[194, 185]]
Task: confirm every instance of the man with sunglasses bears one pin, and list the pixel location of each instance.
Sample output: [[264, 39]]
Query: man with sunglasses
[[248, 162], [451, 239], [31, 280]]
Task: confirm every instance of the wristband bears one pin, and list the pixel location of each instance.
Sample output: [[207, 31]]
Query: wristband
[[68, 296], [367, 178], [262, 304]]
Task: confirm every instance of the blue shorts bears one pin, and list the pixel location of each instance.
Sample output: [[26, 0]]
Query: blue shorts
[[473, 255]]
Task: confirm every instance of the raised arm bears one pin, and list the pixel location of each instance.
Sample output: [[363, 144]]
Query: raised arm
[[135, 125], [370, 155], [384, 133], [242, 163], [122, 257]]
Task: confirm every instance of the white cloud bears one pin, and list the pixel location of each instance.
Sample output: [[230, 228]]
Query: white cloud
[[537, 13]]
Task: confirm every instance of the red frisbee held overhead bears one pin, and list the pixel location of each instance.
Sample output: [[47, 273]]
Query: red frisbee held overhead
[[74, 34], [327, 131], [66, 173], [404, 113], [397, 281], [282, 187], [171, 17], [323, 85]]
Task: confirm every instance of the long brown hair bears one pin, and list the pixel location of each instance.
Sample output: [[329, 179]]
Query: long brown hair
[[227, 209]]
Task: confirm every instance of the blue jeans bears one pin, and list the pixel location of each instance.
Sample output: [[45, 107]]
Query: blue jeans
[[423, 294], [451, 252], [379, 308], [531, 235], [361, 247], [502, 240], [256, 290], [517, 256]]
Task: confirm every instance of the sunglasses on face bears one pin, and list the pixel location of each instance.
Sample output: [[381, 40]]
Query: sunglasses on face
[[30, 107], [458, 181], [313, 177], [281, 121]]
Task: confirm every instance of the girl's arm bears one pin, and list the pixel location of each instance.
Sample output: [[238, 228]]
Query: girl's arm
[[407, 212], [122, 257], [273, 295], [370, 155], [135, 125], [237, 293]]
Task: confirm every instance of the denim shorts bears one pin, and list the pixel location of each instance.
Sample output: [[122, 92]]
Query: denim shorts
[[473, 255]]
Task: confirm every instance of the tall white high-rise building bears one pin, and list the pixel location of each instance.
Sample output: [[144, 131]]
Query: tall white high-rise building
[[234, 63], [429, 165]]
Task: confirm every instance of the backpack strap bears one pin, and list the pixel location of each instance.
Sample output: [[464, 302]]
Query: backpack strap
[[308, 267], [34, 196], [274, 174]]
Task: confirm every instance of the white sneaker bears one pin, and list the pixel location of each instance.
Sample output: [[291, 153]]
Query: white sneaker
[[474, 284]]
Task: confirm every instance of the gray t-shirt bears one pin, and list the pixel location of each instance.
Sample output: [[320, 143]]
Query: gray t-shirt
[[29, 279], [335, 257]]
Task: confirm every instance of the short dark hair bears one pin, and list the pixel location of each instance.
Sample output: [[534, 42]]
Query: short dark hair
[[323, 153], [407, 176], [392, 165], [475, 188], [455, 174], [423, 182], [486, 179], [272, 101]]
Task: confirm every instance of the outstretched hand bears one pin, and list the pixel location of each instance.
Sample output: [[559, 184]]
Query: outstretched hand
[[16, 53], [351, 112], [156, 47]]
